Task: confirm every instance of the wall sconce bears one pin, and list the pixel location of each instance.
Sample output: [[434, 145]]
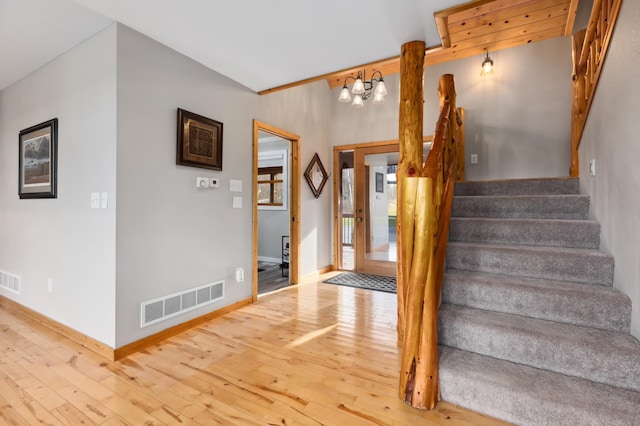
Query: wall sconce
[[487, 66], [362, 89]]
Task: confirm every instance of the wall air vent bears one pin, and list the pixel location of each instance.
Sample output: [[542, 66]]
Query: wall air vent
[[10, 282], [162, 308]]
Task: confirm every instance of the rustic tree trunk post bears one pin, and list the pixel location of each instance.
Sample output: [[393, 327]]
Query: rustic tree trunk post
[[579, 100], [423, 230], [410, 160]]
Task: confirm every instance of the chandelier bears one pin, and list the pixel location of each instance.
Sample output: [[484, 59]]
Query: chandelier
[[362, 89]]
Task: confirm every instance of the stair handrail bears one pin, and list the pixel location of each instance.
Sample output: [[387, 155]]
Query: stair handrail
[[589, 50], [426, 211]]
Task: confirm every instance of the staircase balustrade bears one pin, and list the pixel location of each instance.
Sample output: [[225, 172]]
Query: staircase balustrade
[[589, 50]]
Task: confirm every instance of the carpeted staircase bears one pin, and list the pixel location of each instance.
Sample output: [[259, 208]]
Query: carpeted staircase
[[531, 329]]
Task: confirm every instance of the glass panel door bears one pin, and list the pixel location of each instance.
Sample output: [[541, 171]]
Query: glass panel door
[[375, 210]]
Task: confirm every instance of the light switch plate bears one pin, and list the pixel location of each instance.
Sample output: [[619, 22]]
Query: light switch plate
[[104, 200], [214, 182], [235, 185], [95, 200], [237, 202]]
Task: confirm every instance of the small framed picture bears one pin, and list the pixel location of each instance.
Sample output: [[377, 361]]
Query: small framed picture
[[379, 182], [38, 161], [199, 141]]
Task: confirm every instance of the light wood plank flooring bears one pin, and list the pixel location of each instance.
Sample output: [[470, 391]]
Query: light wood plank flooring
[[311, 354]]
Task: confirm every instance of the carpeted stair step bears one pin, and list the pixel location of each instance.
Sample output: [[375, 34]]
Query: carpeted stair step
[[586, 305], [597, 355], [519, 187], [522, 206], [528, 396], [533, 232], [552, 263]]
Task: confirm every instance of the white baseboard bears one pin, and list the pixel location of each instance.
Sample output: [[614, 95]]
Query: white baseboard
[[269, 259]]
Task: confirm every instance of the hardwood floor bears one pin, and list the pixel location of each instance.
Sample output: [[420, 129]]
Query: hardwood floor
[[310, 354], [270, 277]]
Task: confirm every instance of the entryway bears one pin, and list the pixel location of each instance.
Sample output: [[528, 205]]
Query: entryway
[[276, 208], [366, 207]]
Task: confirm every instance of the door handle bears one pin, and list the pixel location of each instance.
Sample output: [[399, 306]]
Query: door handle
[[359, 219]]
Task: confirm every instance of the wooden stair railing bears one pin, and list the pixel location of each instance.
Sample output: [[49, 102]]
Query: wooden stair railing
[[423, 230], [589, 50]]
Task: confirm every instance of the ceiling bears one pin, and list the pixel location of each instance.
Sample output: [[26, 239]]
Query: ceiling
[[270, 44]]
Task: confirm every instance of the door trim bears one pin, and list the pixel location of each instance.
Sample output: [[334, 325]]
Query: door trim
[[294, 205], [337, 181]]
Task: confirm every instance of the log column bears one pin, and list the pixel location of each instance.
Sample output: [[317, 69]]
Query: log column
[[416, 227], [410, 162]]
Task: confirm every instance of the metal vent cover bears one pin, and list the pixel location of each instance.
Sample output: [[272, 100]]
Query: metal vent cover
[[162, 308], [10, 282]]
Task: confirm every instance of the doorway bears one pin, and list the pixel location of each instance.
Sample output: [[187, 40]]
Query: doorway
[[276, 207], [365, 207]]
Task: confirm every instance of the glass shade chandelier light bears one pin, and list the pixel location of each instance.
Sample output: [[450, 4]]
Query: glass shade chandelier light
[[487, 66], [362, 89]]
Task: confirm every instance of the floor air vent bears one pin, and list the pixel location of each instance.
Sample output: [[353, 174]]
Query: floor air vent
[[161, 308], [10, 282]]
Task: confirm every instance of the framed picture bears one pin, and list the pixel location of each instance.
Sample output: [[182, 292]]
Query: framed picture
[[316, 175], [379, 182], [38, 160], [199, 141]]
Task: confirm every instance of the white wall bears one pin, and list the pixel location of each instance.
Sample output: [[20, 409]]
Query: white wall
[[63, 238], [612, 138], [517, 120], [306, 111], [172, 236]]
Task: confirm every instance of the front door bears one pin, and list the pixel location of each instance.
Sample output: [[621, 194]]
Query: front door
[[374, 213]]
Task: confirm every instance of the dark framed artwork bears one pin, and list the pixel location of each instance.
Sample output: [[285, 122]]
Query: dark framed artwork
[[379, 182], [316, 175], [38, 160], [199, 141]]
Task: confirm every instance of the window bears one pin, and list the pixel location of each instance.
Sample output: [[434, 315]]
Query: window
[[273, 180], [270, 181]]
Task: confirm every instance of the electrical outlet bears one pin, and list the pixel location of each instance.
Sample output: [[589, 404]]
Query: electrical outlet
[[214, 183], [592, 167], [202, 182], [239, 274], [474, 158]]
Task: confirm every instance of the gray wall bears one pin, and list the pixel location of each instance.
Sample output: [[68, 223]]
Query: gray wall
[[172, 236], [63, 238], [612, 138], [517, 120]]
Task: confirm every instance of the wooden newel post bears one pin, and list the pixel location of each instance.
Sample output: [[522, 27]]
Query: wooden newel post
[[409, 163], [424, 205], [416, 230]]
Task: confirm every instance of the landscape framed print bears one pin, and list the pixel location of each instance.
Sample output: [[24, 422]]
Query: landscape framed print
[[199, 141], [38, 161]]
